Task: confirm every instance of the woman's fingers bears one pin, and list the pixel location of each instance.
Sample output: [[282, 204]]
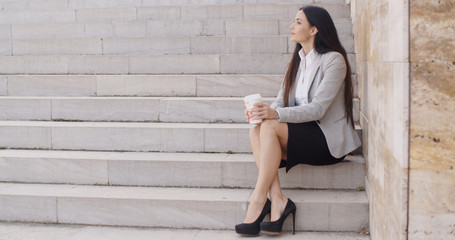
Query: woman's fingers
[[260, 111]]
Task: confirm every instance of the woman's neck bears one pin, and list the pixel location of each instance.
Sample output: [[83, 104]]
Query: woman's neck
[[307, 47]]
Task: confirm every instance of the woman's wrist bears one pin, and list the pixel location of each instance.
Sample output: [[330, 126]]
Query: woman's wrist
[[275, 114]]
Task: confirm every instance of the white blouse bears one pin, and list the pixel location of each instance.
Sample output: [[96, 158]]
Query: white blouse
[[307, 64]]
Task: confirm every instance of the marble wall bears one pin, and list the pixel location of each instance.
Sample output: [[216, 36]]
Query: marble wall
[[381, 29], [432, 136]]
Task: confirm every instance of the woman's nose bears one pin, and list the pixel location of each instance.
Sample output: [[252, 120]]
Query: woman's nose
[[290, 26]]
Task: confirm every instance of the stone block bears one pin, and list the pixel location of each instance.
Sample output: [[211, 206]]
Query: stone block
[[201, 110], [208, 45], [211, 12], [41, 16], [125, 29], [215, 2], [106, 14], [5, 31], [282, 1], [91, 64], [108, 137], [158, 13], [164, 2], [257, 64], [356, 109], [3, 85], [128, 137], [234, 138], [34, 5], [42, 167], [238, 85], [146, 46], [239, 170], [182, 139], [48, 30], [323, 210], [261, 11], [34, 64], [239, 45], [174, 64], [354, 213], [170, 169], [28, 208], [72, 46], [185, 28], [13, 108], [5, 47], [355, 85], [51, 85], [103, 3], [349, 174], [106, 109], [147, 85], [352, 62], [348, 43], [141, 212], [251, 27], [24, 135], [256, 45]]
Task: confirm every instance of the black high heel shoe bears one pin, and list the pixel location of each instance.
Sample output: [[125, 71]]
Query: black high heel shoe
[[275, 227], [253, 229]]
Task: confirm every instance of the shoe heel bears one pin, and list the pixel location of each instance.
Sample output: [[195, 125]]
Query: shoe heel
[[293, 222]]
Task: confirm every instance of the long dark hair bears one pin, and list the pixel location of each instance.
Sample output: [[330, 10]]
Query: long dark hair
[[326, 40]]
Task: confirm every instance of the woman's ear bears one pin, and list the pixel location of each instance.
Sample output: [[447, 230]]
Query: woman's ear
[[313, 31]]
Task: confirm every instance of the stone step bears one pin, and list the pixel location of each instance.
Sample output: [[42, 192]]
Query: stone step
[[156, 45], [140, 85], [164, 64], [131, 136], [76, 4], [154, 28], [135, 109], [169, 13], [25, 231], [154, 64], [317, 210], [120, 136], [225, 85], [168, 170]]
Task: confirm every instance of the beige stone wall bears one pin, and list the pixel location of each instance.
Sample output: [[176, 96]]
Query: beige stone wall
[[381, 30], [432, 142]]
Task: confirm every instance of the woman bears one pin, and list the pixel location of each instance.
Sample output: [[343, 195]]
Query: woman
[[310, 121]]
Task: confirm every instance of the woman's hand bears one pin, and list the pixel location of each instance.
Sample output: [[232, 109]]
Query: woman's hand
[[263, 111], [246, 115]]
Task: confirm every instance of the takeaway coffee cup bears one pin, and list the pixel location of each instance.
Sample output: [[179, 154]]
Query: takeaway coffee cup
[[250, 100]]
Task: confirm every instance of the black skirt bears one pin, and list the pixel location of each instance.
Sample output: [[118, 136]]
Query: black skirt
[[307, 145]]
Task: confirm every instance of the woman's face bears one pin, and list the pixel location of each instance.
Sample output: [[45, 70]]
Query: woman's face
[[301, 31]]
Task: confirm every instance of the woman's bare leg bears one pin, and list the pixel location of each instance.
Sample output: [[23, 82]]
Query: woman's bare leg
[[271, 135]]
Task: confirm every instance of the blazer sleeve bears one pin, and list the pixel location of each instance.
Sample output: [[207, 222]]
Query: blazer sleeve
[[279, 103], [333, 69]]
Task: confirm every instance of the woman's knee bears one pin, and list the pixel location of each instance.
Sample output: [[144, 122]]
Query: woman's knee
[[269, 125], [254, 132]]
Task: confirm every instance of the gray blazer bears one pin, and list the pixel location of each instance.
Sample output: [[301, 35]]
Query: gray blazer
[[325, 105]]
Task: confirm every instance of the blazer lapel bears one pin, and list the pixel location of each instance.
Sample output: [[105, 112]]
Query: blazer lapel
[[312, 76]]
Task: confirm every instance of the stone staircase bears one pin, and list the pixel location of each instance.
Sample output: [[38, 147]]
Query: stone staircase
[[130, 113]]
